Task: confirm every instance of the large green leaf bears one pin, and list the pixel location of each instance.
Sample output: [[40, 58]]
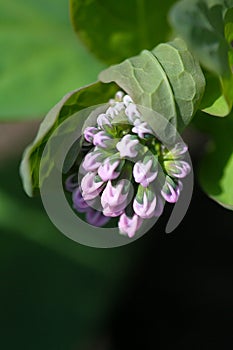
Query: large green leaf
[[163, 79], [216, 168], [115, 30], [206, 26], [71, 103], [40, 57]]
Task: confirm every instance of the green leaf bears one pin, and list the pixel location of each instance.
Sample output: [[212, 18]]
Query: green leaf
[[201, 24], [71, 103], [216, 168], [185, 76], [168, 80], [228, 21], [115, 30], [206, 26], [214, 102], [40, 57]]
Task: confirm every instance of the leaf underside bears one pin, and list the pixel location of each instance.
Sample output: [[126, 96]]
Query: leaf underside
[[156, 80], [71, 103]]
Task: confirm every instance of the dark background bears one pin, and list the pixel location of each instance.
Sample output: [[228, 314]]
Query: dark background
[[160, 292]]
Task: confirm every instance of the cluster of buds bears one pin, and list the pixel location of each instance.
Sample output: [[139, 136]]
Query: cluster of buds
[[122, 168]]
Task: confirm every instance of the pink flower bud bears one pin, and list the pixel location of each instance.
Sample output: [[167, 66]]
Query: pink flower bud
[[141, 128], [127, 100], [119, 95], [89, 133], [90, 188], [132, 113], [99, 139], [177, 168], [90, 162], [142, 172], [146, 209], [103, 120], [127, 146], [107, 170], [113, 199], [171, 190], [129, 226], [111, 111]]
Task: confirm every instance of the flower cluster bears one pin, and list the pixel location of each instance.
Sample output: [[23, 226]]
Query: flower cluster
[[92, 216], [124, 155]]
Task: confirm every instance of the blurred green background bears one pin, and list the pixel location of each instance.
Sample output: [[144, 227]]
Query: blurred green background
[[41, 58]]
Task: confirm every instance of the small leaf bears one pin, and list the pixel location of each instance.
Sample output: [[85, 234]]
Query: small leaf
[[219, 108], [162, 79], [40, 57], [216, 168], [71, 103], [115, 30], [214, 102]]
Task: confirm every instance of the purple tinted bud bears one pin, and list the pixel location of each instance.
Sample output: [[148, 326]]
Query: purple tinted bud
[[129, 226], [143, 173], [90, 162], [89, 133], [71, 182], [127, 146], [96, 218], [99, 139], [177, 168], [141, 128], [127, 100], [132, 113], [103, 120], [107, 170], [171, 190], [146, 208], [113, 200], [78, 202], [119, 95], [111, 112], [90, 188]]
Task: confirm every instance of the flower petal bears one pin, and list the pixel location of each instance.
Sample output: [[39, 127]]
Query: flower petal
[[129, 226]]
